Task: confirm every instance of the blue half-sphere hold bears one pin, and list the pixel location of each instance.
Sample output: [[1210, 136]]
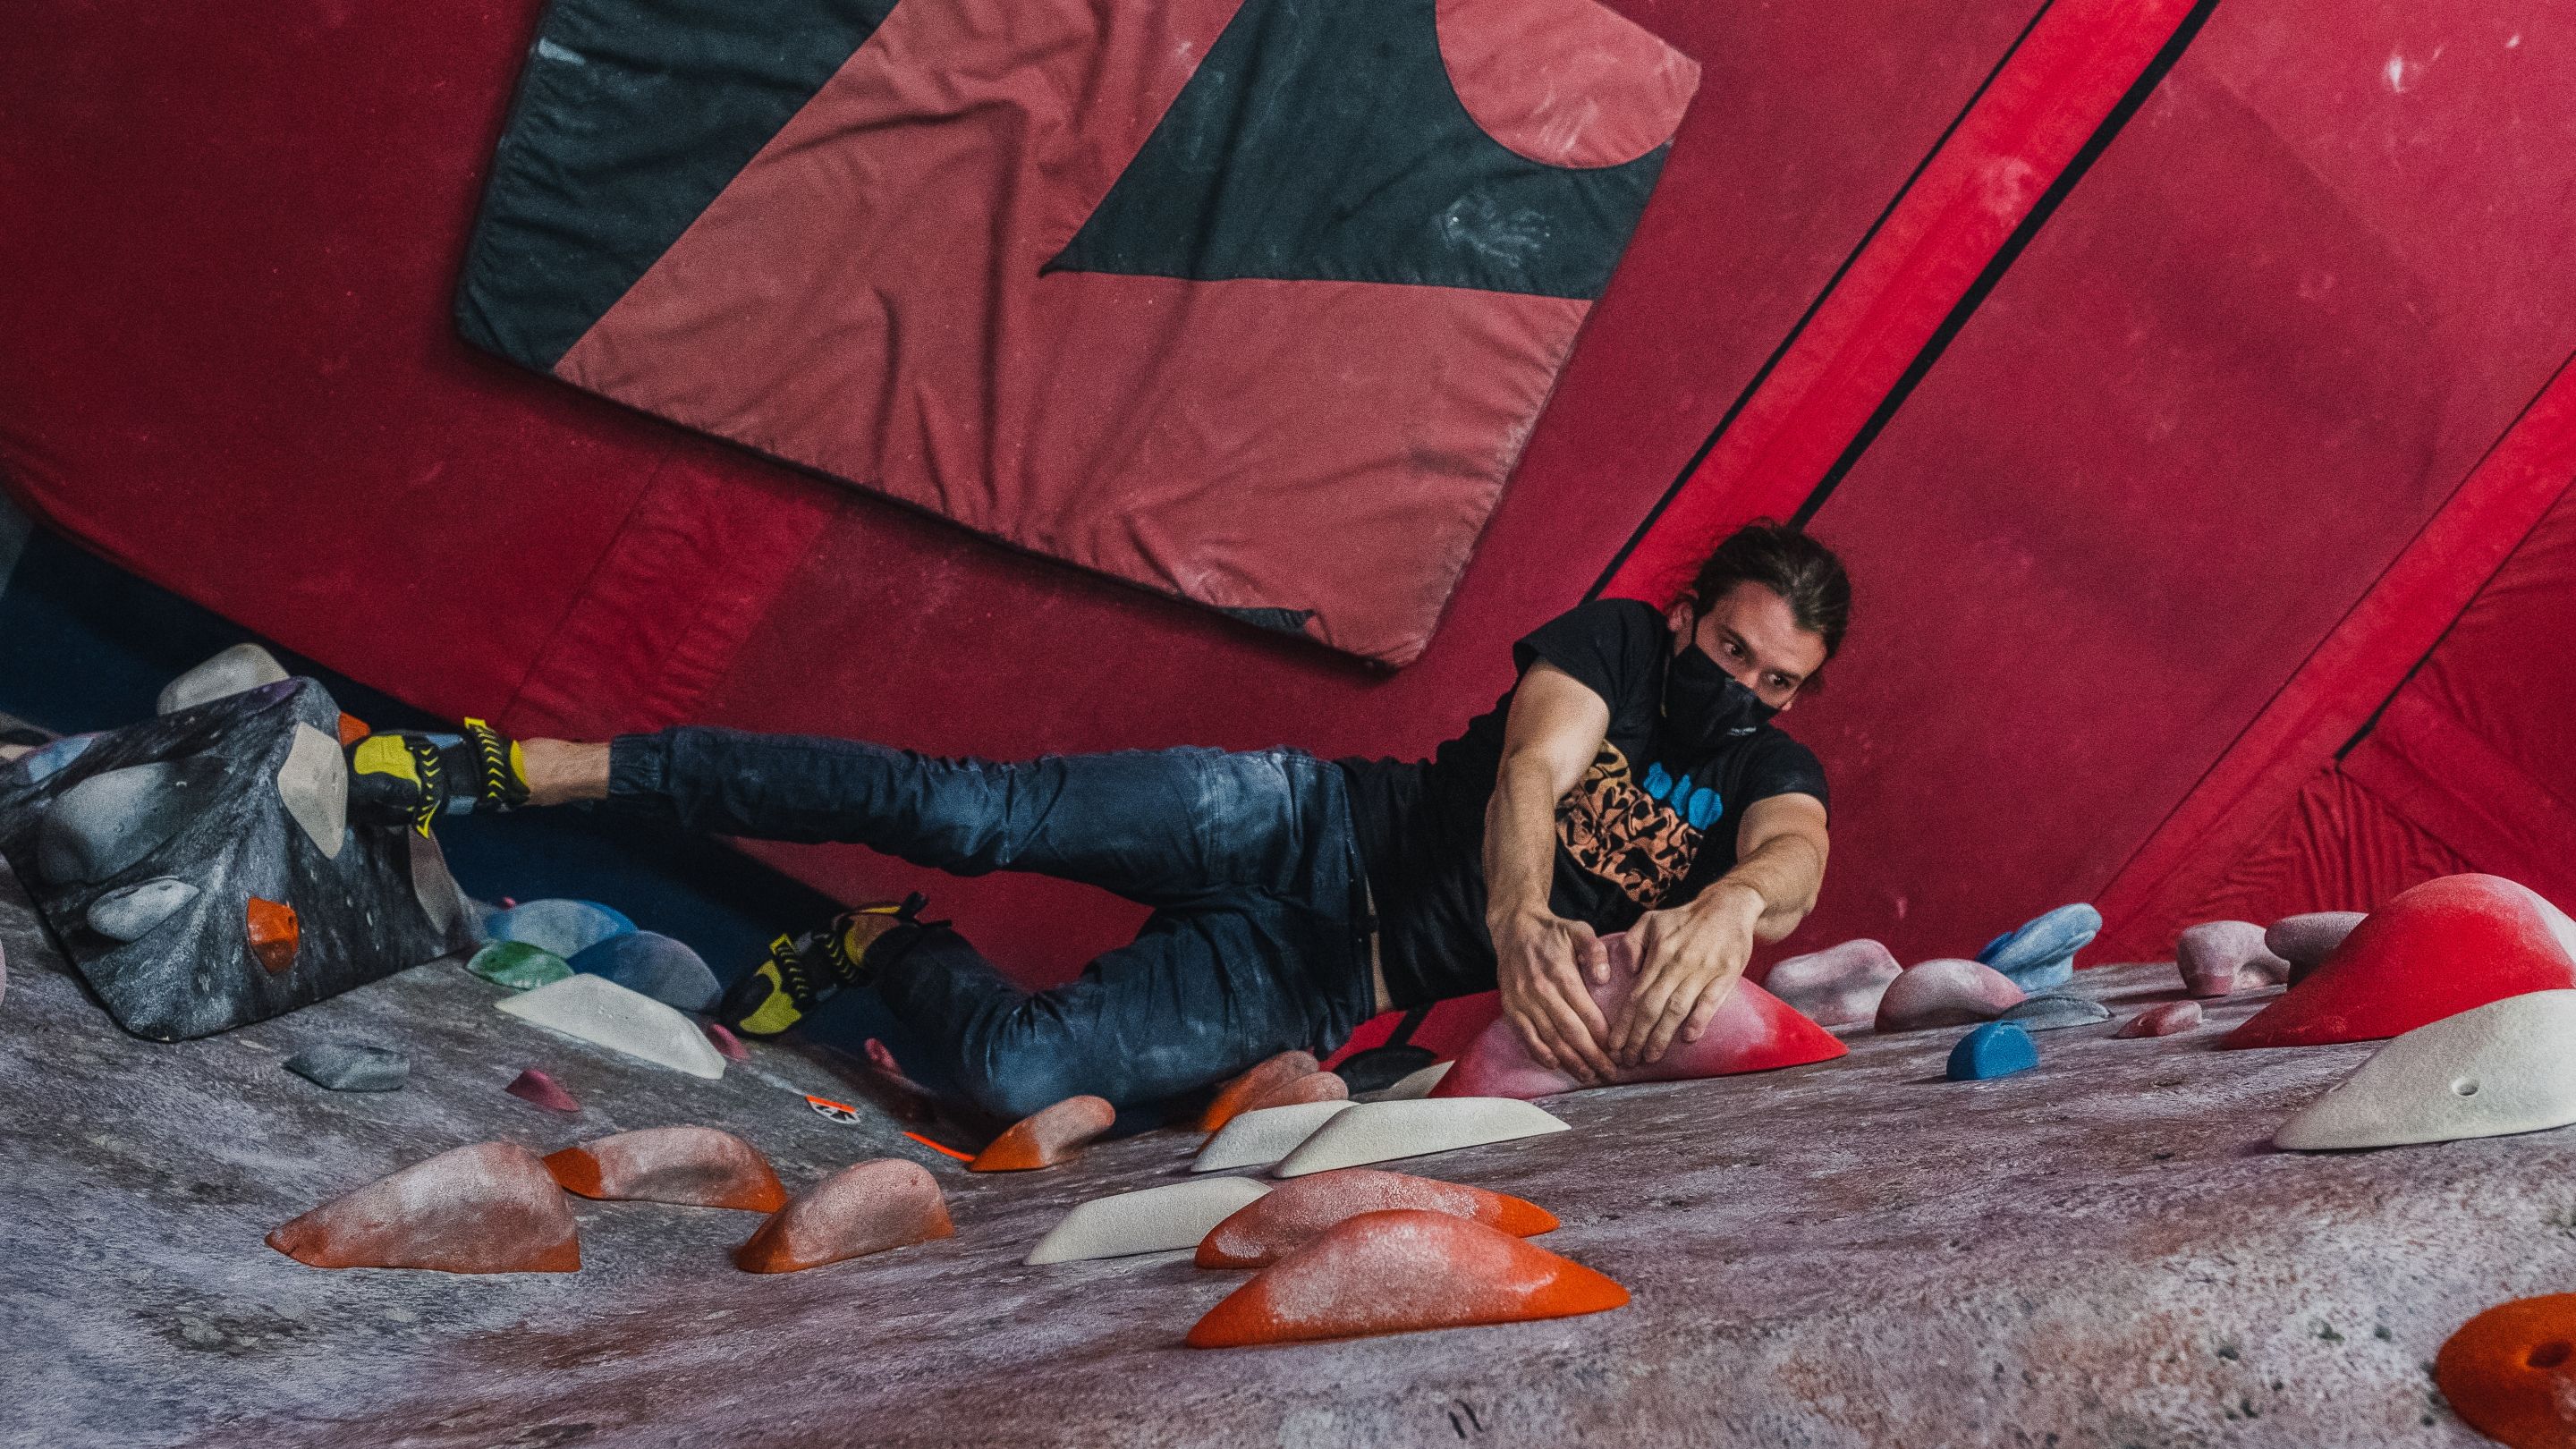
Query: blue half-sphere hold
[[655, 965], [565, 927], [44, 760], [1996, 1049], [2041, 952]]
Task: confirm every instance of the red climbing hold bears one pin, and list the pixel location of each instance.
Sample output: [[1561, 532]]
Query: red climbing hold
[[1312, 1087], [488, 1208], [1398, 1271], [535, 1086], [1754, 1031], [692, 1166], [271, 929], [2163, 1019], [2432, 951], [883, 1203], [1297, 1212], [727, 1045], [1046, 1138], [2511, 1372], [352, 729], [1239, 1094]]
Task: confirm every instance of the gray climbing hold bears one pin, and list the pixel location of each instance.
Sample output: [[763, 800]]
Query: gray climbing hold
[[441, 899], [2051, 1010], [346, 1066], [109, 821], [129, 913], [243, 666], [314, 783]]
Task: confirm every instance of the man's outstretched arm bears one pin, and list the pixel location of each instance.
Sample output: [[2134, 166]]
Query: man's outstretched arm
[[1554, 730], [1688, 958]]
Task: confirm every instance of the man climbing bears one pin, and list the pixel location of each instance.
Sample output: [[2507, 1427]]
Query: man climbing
[[1630, 780]]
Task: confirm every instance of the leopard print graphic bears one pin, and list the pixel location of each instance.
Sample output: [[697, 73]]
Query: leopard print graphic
[[1617, 831]]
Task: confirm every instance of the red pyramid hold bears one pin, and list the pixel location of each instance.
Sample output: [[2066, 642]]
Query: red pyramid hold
[[2431, 951], [1398, 1271], [1754, 1031]]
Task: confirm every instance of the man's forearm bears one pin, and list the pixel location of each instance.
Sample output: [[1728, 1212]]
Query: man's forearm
[[1520, 840], [1784, 872]]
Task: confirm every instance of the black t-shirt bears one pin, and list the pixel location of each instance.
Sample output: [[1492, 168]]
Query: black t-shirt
[[1648, 827]]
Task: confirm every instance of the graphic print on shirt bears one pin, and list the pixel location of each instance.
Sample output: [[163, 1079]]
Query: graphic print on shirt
[[1641, 836]]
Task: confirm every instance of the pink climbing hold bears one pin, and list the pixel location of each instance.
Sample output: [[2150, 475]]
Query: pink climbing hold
[[535, 1086], [2305, 941], [1754, 1031], [1945, 992], [488, 1208], [727, 1045], [1312, 1087], [1837, 986], [2218, 957], [2432, 951], [2164, 1020], [865, 1208]]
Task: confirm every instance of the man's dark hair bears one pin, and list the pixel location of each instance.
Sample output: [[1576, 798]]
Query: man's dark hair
[[1788, 563]]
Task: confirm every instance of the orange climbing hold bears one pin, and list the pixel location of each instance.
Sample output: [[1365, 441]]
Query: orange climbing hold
[[352, 729], [868, 1208], [1399, 1271], [2511, 1372], [1240, 1094], [1298, 1211], [1312, 1087], [692, 1166], [488, 1208], [270, 928], [1046, 1138]]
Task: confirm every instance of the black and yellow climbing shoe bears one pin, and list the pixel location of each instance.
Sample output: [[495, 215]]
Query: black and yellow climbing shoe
[[407, 778], [802, 972]]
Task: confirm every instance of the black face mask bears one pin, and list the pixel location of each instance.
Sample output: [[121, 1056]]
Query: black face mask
[[1706, 707]]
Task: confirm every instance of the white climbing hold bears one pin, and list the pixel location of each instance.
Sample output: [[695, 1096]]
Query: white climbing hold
[[1412, 1086], [1261, 1137], [1383, 1131], [2508, 1066], [607, 1014], [1153, 1221], [243, 666], [129, 913], [314, 783], [441, 898]]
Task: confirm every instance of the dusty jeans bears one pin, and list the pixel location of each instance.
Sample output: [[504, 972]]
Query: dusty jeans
[[1257, 944]]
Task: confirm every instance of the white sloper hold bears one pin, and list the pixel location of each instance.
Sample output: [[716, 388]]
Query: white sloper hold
[[607, 1014], [1412, 1085], [2508, 1066], [1384, 1131], [314, 783], [129, 913], [1153, 1221], [1261, 1137], [243, 666]]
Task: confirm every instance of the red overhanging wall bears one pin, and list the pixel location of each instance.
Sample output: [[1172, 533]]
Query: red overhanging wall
[[2172, 502]]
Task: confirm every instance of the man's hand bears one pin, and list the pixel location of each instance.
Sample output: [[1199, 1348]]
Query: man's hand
[[1541, 962], [1688, 960]]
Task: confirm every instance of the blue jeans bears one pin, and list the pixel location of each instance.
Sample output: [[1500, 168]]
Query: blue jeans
[[1258, 942]]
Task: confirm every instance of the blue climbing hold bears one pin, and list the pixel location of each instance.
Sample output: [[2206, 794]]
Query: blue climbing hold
[[1996, 1049], [654, 964], [44, 760], [565, 927], [2041, 952]]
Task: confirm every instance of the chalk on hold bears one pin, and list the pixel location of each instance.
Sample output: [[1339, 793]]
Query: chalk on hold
[[1263, 1135], [2305, 941], [1156, 1220], [597, 1010], [2218, 957], [887, 1202], [129, 913], [2164, 1019], [2432, 951], [2510, 1372], [243, 666], [1383, 1131], [1996, 1049], [1945, 993], [1306, 1090], [1297, 1212], [1045, 1138], [488, 1208], [1399, 1271], [1263, 1079], [313, 785], [2490, 1071], [692, 1166], [1412, 1086], [1837, 986]]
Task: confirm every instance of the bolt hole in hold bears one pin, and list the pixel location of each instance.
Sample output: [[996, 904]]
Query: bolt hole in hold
[[2465, 1086], [2551, 1354]]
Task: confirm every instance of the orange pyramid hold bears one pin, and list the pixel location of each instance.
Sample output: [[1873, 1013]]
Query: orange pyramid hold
[[1298, 1211], [273, 934], [1046, 1138], [1399, 1271], [692, 1166], [352, 729], [1239, 1095], [2431, 951], [1312, 1087], [867, 1208], [2511, 1372], [488, 1208]]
